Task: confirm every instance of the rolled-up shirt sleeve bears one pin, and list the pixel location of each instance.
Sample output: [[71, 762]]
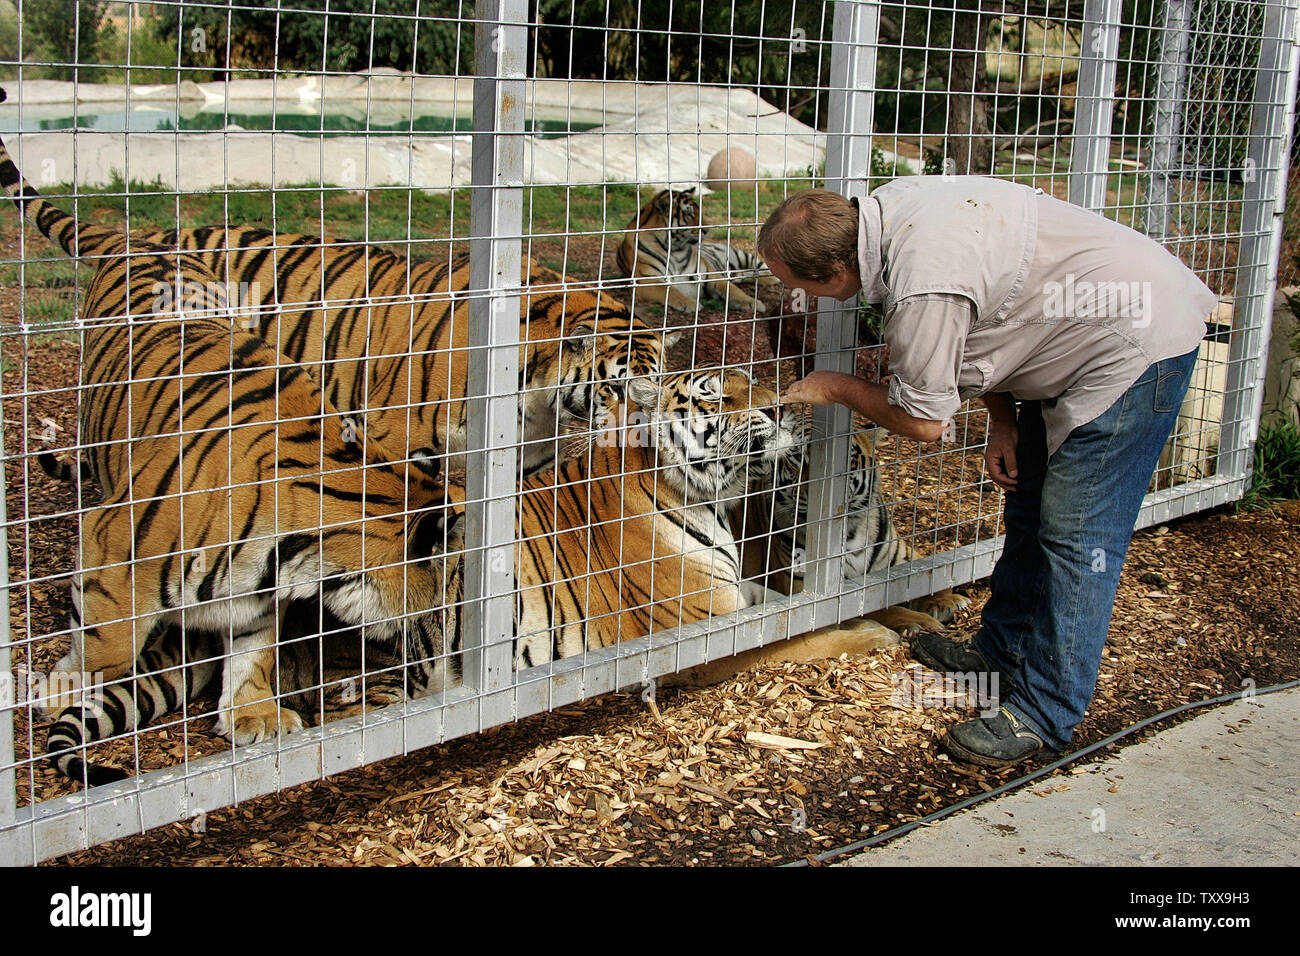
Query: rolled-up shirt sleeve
[[927, 337]]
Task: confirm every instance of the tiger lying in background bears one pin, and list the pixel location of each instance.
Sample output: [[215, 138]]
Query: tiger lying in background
[[666, 239], [278, 502], [390, 336]]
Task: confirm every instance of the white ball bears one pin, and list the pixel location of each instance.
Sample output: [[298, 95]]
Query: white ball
[[730, 168]]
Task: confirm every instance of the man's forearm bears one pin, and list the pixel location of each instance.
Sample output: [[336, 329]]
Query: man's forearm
[[872, 400]]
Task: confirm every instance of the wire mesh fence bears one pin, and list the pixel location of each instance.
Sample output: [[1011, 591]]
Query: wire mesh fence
[[369, 379]]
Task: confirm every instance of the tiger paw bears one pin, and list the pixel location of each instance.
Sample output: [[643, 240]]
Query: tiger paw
[[342, 700], [942, 605], [254, 723], [906, 623], [754, 593], [864, 634]]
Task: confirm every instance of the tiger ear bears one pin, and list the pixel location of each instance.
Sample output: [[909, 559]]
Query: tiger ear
[[580, 328], [437, 531], [644, 393], [870, 435], [708, 383], [664, 202], [428, 461]]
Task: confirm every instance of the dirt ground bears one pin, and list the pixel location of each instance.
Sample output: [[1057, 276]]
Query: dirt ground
[[775, 765]]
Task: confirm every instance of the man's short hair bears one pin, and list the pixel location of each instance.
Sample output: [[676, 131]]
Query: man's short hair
[[815, 233]]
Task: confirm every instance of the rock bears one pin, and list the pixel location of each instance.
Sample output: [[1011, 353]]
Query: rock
[[729, 168]]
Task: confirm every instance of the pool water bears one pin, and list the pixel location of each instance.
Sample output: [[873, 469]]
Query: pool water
[[388, 122]]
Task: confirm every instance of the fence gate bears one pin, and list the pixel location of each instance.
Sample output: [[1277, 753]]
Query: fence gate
[[344, 478]]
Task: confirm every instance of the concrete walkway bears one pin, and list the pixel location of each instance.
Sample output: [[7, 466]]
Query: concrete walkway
[[1221, 789]]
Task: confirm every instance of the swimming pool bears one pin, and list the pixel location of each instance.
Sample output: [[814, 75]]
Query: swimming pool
[[385, 119]]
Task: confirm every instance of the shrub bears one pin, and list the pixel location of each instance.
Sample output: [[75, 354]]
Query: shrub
[[1277, 466]]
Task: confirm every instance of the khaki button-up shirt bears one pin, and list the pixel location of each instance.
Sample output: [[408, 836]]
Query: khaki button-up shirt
[[1099, 305]]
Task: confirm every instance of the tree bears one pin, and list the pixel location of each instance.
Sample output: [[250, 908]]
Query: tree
[[773, 47], [344, 36], [970, 143], [49, 21]]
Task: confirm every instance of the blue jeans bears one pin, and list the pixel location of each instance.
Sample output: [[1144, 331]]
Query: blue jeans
[[1069, 523]]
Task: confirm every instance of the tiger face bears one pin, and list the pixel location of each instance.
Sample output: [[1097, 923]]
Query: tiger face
[[630, 537], [790, 486], [715, 429], [679, 211], [667, 240], [602, 347], [773, 522]]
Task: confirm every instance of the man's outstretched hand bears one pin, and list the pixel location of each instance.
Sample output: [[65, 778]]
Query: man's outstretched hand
[[870, 399], [818, 388]]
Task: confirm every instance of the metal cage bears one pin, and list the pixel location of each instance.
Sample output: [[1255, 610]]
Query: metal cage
[[514, 132]]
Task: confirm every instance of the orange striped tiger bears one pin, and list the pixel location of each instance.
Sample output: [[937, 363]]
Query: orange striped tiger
[[230, 487], [666, 240], [632, 536], [390, 336]]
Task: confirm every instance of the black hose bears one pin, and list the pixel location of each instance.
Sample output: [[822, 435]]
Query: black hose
[[1040, 772]]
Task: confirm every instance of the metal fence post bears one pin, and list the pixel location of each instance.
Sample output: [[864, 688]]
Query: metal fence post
[[496, 222], [1094, 104], [1166, 152], [8, 688], [850, 123], [1263, 203]]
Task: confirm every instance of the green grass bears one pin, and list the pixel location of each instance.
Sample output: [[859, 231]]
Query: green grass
[[51, 309], [393, 215], [46, 273], [65, 335]]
